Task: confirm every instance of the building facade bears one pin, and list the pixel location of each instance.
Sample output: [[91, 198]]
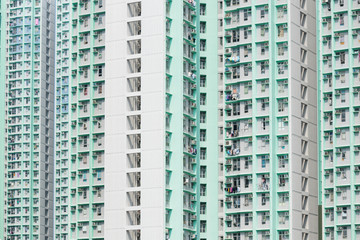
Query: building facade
[[338, 124], [80, 119], [270, 141], [160, 84], [137, 119], [3, 115], [29, 92]]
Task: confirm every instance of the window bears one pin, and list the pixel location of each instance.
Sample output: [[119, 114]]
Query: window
[[344, 233], [100, 71], [280, 13], [281, 50], [246, 33], [343, 116], [280, 31], [203, 81], [202, 190], [247, 219], [202, 45], [202, 226], [282, 181], [202, 9], [202, 208], [235, 36], [281, 218], [263, 161], [303, 110], [342, 57], [342, 96], [262, 12], [302, 19], [202, 135], [202, 98], [247, 12], [342, 39], [246, 71], [202, 153], [236, 51], [246, 107], [202, 171], [282, 162], [263, 199], [282, 199], [303, 73], [262, 67], [281, 106], [202, 117], [303, 54], [344, 213], [262, 31], [236, 72], [202, 27], [202, 63], [344, 194]]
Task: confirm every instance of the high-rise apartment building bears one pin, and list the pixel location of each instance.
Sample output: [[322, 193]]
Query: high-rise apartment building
[[29, 88], [161, 117], [270, 147], [338, 124], [180, 119], [3, 132], [80, 120]]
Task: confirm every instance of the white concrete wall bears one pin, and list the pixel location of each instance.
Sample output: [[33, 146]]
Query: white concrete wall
[[152, 125]]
